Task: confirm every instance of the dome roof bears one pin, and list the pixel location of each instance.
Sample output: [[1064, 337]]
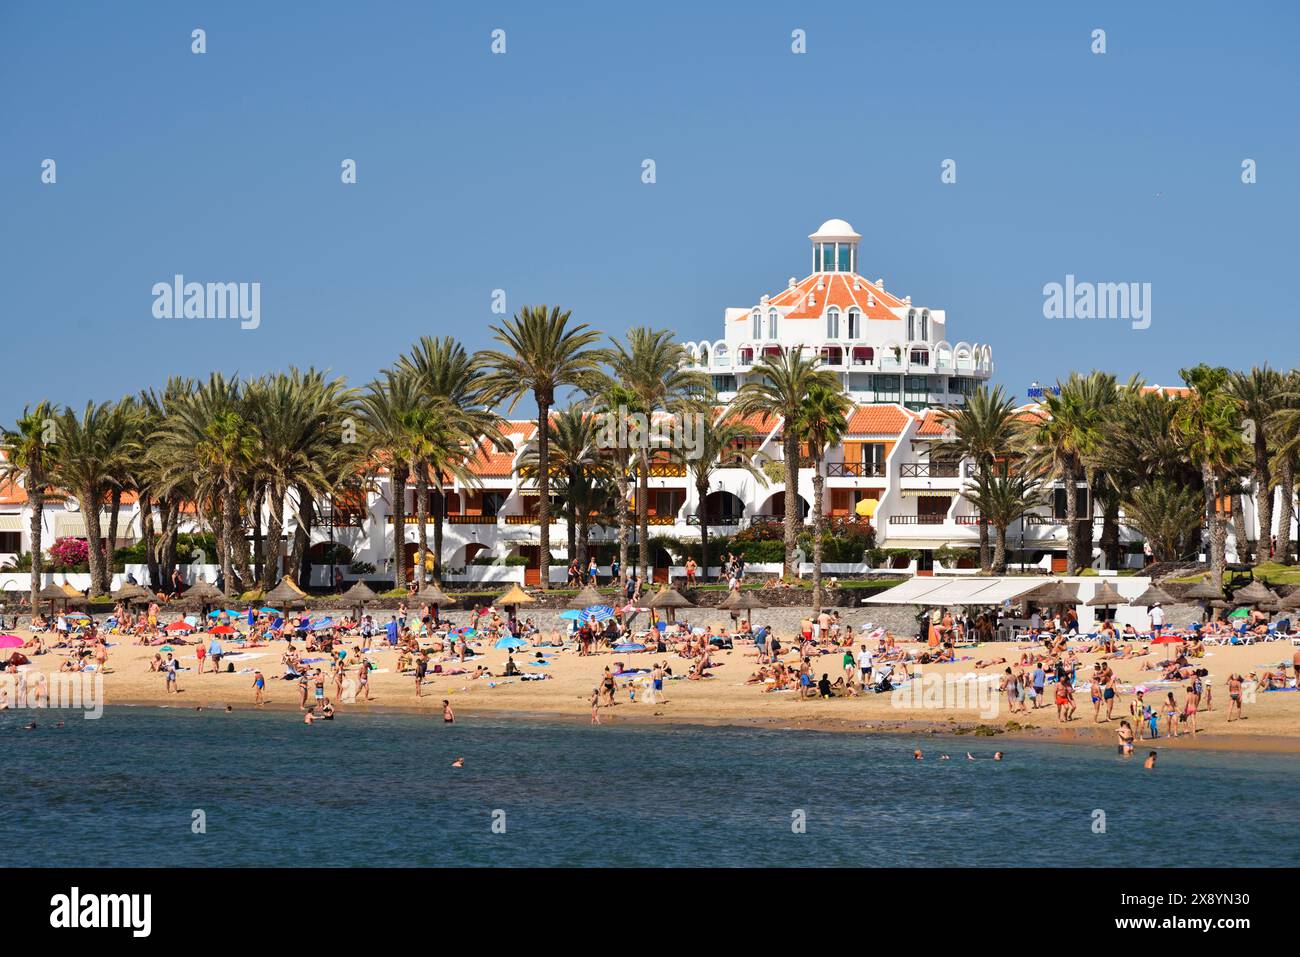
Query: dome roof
[[834, 229]]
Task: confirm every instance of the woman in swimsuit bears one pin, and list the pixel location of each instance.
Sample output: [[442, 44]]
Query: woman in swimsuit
[[1171, 716], [1125, 739]]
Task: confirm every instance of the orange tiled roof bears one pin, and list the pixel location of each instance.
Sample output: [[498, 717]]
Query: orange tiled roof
[[806, 301], [931, 425], [11, 493], [878, 420]]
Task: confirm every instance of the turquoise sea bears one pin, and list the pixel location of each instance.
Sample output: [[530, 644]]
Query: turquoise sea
[[130, 789]]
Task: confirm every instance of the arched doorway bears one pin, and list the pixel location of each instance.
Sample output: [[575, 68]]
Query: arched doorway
[[776, 506], [723, 508]]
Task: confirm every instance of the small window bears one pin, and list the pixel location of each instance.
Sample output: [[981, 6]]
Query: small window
[[771, 323], [832, 323], [758, 324], [855, 324]]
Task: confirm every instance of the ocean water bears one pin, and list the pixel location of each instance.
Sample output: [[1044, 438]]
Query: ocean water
[[380, 790]]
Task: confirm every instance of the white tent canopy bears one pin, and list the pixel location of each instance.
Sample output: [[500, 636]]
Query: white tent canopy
[[967, 590]]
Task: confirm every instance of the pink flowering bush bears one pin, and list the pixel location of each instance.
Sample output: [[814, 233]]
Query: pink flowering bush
[[70, 551]]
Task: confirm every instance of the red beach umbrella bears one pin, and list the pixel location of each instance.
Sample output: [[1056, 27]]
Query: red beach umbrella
[[179, 626], [221, 630]]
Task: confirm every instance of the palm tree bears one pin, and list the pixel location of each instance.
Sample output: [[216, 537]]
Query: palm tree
[[656, 369], [616, 404], [388, 411], [778, 386], [582, 470], [453, 384], [982, 429], [1209, 421], [1003, 497], [715, 450], [160, 552], [822, 422], [542, 353], [86, 465], [1258, 393], [28, 456], [207, 444], [1283, 426], [1168, 515], [1062, 445]]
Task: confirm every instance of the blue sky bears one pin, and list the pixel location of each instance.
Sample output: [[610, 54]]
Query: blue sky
[[522, 172]]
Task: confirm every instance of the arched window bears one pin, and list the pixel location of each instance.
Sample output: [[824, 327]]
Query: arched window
[[758, 324], [771, 323], [911, 325], [832, 323], [925, 326], [855, 324], [704, 355]]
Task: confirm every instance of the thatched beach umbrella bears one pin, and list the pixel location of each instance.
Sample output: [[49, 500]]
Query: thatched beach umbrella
[[515, 597], [742, 601], [586, 598], [1203, 591], [131, 592], [1154, 595], [1291, 601], [1106, 597], [1056, 593], [53, 593], [358, 595], [201, 596], [670, 599], [284, 593], [1256, 593], [434, 595]]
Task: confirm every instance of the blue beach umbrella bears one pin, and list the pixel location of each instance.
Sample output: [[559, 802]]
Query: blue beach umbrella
[[600, 613], [323, 624], [510, 641], [630, 646], [573, 615], [269, 611]]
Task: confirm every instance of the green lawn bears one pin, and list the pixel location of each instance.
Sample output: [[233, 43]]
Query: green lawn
[[1271, 573]]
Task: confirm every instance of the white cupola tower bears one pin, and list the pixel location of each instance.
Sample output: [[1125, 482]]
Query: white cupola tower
[[835, 247]]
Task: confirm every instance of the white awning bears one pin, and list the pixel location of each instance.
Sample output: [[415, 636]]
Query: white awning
[[11, 523], [69, 526], [967, 590]]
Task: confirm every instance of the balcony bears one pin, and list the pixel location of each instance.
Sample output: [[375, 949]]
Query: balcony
[[472, 519], [917, 519], [929, 470], [527, 520], [717, 521], [855, 469], [663, 470]]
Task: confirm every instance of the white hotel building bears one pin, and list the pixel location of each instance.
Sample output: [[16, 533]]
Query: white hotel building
[[897, 359]]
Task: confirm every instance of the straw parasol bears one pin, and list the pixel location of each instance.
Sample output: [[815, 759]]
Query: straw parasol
[[1291, 601], [1256, 593], [434, 595], [741, 601], [358, 595], [1055, 593], [670, 599], [1203, 591], [586, 598], [515, 597], [1106, 596], [53, 593], [1154, 595], [284, 593], [130, 592]]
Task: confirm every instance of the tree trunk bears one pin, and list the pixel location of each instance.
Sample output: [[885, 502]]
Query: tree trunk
[[439, 519], [171, 518], [399, 476], [1218, 527], [622, 526], [229, 531], [819, 527], [90, 508], [1084, 543], [421, 520], [1072, 519], [1000, 551], [36, 495], [1110, 531], [149, 538], [274, 532], [643, 515], [986, 565], [259, 542], [544, 489], [1239, 528], [115, 507], [701, 492], [1286, 483], [241, 555], [301, 563], [791, 454], [1263, 495]]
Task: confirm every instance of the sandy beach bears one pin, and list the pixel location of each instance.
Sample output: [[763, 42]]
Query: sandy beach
[[1271, 720]]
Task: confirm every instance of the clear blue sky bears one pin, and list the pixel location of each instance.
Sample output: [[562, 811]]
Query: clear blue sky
[[522, 172]]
